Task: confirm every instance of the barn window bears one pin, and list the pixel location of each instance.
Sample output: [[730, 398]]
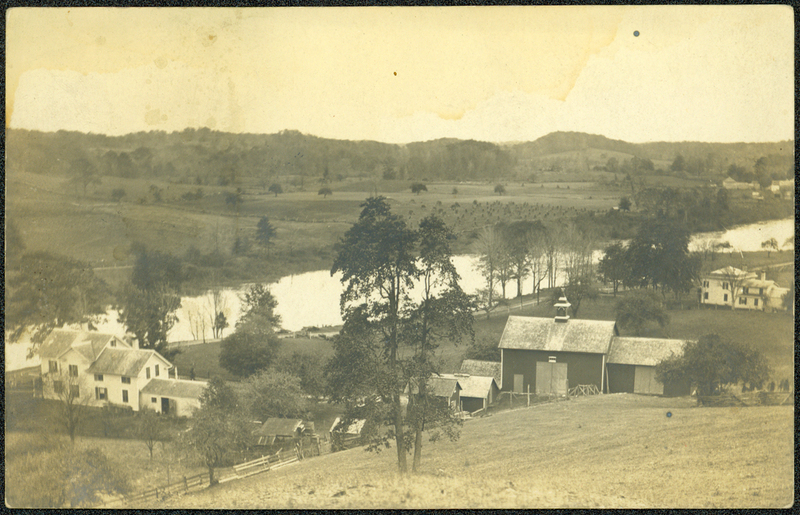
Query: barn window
[[126, 380], [153, 400], [124, 395], [98, 377], [551, 359], [73, 370]]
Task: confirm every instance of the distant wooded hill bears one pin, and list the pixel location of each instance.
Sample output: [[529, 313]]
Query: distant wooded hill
[[203, 156]]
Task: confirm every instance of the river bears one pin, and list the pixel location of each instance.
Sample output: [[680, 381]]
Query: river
[[312, 298]]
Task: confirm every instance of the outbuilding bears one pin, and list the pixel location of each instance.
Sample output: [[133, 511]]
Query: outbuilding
[[278, 429], [632, 364], [477, 392], [172, 396]]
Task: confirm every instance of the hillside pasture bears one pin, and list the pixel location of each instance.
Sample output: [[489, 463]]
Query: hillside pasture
[[610, 451]]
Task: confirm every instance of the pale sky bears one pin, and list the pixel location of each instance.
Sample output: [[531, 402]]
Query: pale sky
[[705, 73]]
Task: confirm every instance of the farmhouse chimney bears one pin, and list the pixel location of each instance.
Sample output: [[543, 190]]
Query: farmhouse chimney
[[763, 275], [562, 310]]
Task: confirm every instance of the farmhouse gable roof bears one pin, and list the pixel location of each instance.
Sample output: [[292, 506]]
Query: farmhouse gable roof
[[124, 362], [534, 333], [643, 351], [88, 344]]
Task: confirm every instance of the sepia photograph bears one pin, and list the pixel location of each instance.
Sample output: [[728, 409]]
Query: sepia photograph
[[400, 257]]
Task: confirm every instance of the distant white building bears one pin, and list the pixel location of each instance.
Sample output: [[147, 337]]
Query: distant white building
[[739, 289]]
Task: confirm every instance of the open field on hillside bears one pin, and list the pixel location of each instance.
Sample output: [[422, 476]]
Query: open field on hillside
[[612, 451]]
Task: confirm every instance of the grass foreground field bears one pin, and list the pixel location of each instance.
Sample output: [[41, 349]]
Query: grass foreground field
[[608, 451]]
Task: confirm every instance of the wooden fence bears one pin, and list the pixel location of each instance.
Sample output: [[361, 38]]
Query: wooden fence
[[266, 463], [160, 492]]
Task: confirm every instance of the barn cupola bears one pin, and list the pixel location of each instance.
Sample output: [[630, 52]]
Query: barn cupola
[[562, 310]]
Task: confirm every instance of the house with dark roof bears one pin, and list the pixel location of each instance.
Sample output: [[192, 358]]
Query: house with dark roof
[[548, 356], [102, 370]]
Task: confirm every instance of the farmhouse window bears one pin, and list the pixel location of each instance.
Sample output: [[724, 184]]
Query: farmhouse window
[[124, 395], [53, 367], [725, 298], [705, 284], [761, 291], [724, 286], [705, 296], [98, 377], [58, 386], [755, 302], [126, 380], [74, 391], [745, 290], [147, 372], [100, 393], [156, 370], [742, 301], [153, 400], [73, 370], [113, 343]]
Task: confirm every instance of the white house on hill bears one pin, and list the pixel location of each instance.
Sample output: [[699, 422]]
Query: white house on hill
[[739, 289], [103, 370]]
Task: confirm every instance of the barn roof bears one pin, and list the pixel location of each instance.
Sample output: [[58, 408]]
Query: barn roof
[[177, 388], [89, 344], [123, 362], [439, 386], [354, 428], [643, 351], [474, 367], [534, 333], [473, 386], [279, 427]]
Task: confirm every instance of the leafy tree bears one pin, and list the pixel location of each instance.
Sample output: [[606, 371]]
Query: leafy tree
[[370, 369], [275, 188], [309, 367], [154, 270], [770, 245], [500, 189], [577, 249], [252, 347], [48, 290], [712, 362], [265, 232], [257, 299], [150, 430], [117, 194], [234, 199], [55, 475], [325, 192], [789, 243], [418, 188], [83, 173], [484, 349], [149, 314], [219, 428], [638, 308], [679, 164], [518, 251], [455, 191], [275, 393], [624, 204], [220, 323], [612, 266], [491, 251]]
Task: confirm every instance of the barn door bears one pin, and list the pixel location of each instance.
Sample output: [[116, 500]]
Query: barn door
[[517, 383], [644, 381], [551, 378]]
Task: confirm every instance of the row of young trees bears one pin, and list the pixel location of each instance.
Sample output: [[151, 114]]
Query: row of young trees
[[512, 252]]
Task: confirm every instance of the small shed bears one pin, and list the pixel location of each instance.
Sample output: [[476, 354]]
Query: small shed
[[632, 365], [172, 396], [476, 367], [278, 429], [446, 388], [477, 392]]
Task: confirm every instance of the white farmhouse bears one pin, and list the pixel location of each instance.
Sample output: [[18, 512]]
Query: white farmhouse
[[102, 370], [740, 289]]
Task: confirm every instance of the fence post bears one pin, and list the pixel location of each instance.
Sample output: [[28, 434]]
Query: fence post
[[529, 395], [185, 484]]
